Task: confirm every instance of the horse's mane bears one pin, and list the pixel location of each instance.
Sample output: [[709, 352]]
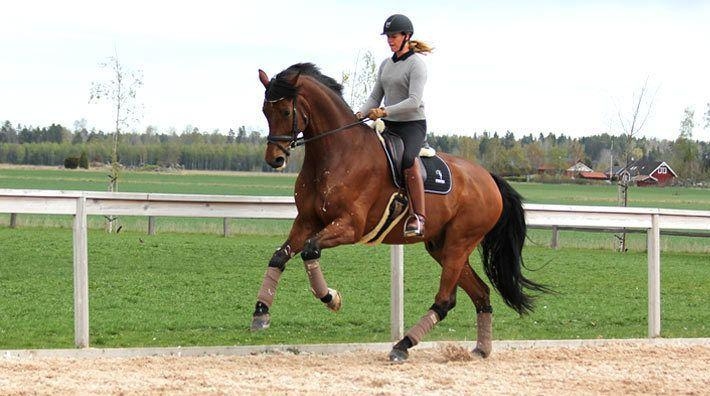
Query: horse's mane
[[281, 87]]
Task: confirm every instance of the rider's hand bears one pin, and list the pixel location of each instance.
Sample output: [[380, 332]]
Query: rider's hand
[[377, 112], [358, 115]]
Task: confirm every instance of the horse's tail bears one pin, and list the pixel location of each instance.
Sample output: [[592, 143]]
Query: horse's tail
[[501, 252]]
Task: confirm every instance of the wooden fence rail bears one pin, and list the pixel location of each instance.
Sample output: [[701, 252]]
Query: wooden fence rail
[[81, 204]]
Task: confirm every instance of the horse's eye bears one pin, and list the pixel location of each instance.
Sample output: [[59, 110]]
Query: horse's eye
[[287, 113]]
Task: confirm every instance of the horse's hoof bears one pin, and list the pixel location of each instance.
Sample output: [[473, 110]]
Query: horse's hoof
[[260, 322], [336, 302], [480, 352], [398, 355]]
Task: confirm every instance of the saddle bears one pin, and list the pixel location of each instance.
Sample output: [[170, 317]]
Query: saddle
[[435, 172]]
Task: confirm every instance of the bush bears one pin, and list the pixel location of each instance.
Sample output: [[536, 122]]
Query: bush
[[84, 160], [71, 162]]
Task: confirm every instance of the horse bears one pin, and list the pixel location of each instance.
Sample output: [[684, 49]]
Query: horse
[[343, 188]]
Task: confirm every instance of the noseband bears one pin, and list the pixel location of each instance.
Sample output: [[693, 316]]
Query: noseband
[[293, 139]]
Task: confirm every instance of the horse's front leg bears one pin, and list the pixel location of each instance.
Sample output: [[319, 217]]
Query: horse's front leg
[[265, 298], [339, 232]]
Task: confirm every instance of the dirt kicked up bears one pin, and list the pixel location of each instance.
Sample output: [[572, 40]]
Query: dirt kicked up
[[617, 368]]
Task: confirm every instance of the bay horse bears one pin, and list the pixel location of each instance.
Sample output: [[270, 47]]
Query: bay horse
[[344, 187]]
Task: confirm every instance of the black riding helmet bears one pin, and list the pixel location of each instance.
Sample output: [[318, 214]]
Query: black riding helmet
[[398, 23]]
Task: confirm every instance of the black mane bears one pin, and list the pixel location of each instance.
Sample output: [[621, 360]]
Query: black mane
[[280, 86]]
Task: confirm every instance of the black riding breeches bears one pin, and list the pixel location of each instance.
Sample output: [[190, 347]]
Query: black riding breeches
[[413, 134]]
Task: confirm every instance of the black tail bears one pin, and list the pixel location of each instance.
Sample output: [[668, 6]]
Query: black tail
[[501, 252]]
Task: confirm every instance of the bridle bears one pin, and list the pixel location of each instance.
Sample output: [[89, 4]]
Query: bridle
[[294, 140]]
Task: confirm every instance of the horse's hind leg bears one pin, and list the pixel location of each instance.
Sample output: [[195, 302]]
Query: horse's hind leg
[[480, 295], [479, 292], [452, 257]]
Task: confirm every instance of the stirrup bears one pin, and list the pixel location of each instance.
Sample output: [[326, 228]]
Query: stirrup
[[418, 230]]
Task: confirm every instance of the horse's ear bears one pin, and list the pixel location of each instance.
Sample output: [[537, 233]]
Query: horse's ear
[[264, 78], [294, 79]]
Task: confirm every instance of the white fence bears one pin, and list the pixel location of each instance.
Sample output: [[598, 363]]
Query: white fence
[[81, 204]]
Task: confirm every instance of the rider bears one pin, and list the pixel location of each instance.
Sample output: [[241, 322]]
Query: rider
[[400, 81]]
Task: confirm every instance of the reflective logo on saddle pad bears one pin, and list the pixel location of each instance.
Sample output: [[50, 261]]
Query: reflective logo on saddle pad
[[438, 175]]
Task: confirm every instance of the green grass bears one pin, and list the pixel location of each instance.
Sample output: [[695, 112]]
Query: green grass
[[218, 183], [198, 289], [282, 184], [606, 195], [189, 286]]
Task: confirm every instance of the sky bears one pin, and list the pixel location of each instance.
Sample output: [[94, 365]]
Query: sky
[[571, 67]]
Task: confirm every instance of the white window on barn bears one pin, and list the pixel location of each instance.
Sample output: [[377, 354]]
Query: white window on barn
[[662, 170]]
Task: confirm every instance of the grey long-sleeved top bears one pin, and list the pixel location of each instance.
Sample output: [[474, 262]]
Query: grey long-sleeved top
[[401, 84]]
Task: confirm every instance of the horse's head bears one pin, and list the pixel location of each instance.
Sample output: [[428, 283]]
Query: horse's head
[[286, 120], [287, 104]]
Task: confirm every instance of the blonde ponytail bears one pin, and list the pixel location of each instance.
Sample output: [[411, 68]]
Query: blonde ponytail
[[421, 47]]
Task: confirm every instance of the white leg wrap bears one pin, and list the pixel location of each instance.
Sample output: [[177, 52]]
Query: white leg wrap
[[268, 286], [425, 324], [484, 335], [315, 277]]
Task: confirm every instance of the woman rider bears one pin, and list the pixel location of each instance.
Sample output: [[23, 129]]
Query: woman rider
[[400, 82]]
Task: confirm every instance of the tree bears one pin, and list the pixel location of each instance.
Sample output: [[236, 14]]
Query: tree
[[8, 134], [358, 83], [707, 117], [241, 134], [84, 160], [120, 91], [631, 126], [535, 155], [686, 156]]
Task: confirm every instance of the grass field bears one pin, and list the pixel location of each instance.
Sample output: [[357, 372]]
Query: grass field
[[188, 285], [233, 183], [196, 289]]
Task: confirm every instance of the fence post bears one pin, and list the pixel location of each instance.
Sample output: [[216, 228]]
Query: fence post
[[151, 225], [654, 278], [555, 237], [225, 226], [13, 220], [81, 276], [397, 292]]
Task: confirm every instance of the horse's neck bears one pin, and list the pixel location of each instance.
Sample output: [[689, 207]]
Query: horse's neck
[[339, 147], [354, 145]]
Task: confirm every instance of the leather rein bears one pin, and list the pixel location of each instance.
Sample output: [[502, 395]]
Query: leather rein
[[294, 140]]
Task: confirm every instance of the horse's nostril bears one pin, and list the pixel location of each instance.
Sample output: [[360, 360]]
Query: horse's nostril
[[278, 162]]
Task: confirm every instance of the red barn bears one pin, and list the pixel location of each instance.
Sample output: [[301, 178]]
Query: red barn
[[649, 173]]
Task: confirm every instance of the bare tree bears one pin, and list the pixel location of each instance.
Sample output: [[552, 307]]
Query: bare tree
[[359, 81], [120, 92], [631, 125]]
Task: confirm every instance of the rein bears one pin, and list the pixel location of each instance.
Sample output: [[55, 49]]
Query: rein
[[295, 141]]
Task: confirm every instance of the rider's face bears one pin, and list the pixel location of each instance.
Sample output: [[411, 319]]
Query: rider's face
[[394, 40]]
